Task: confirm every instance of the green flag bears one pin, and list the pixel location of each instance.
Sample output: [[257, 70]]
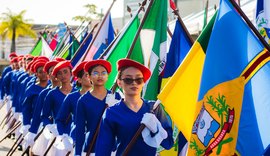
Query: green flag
[[36, 51], [121, 47], [153, 42]]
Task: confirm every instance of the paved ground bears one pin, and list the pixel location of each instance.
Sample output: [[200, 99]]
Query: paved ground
[[7, 143]]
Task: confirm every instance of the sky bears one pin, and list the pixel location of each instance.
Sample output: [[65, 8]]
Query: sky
[[58, 11]]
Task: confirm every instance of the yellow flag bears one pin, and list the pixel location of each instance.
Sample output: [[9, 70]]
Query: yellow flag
[[215, 129]]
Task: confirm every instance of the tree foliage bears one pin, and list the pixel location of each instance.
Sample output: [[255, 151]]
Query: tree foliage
[[14, 25], [90, 15]]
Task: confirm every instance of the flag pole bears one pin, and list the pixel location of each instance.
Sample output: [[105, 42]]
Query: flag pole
[[141, 25], [71, 33], [138, 132], [102, 57], [103, 21], [252, 27], [115, 39], [176, 12], [86, 38], [61, 44], [169, 32], [78, 28], [206, 14], [36, 137], [137, 34], [129, 10]]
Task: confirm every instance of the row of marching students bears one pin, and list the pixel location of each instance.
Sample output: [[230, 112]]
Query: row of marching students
[[58, 116]]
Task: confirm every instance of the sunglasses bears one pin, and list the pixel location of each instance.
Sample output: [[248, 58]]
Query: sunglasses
[[130, 80], [102, 74]]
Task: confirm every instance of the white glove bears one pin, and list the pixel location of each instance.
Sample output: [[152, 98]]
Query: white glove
[[16, 115], [53, 129], [13, 110], [110, 100], [1, 103], [24, 129], [152, 124], [29, 139], [63, 144], [68, 142], [20, 117], [150, 121], [8, 97]]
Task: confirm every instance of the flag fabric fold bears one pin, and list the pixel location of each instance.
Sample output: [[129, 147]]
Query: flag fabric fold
[[102, 39], [179, 47], [234, 91], [180, 94], [46, 50], [121, 47], [154, 45]]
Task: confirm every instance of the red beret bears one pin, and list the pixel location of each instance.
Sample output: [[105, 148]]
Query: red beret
[[43, 58], [29, 57], [39, 64], [13, 54], [103, 63], [15, 59], [32, 66], [131, 63], [59, 59], [21, 57], [78, 68], [61, 65], [35, 58], [48, 65]]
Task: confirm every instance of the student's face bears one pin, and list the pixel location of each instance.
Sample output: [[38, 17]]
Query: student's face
[[16, 65], [42, 76], [99, 76], [64, 75], [52, 78], [85, 80], [131, 81]]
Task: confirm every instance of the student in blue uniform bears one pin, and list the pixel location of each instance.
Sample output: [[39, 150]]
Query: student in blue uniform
[[69, 106], [4, 73], [48, 68], [29, 138], [55, 97], [92, 104], [122, 120], [32, 93]]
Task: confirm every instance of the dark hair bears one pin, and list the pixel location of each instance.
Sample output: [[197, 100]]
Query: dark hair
[[79, 75], [121, 71], [78, 84], [94, 66]]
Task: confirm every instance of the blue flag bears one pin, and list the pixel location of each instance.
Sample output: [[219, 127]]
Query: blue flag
[[79, 54], [180, 46], [234, 91]]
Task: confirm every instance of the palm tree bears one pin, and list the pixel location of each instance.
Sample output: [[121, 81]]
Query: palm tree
[[90, 15], [15, 25], [3, 38]]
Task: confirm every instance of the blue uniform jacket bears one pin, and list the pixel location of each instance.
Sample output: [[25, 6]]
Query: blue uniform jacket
[[68, 112], [52, 104], [89, 113], [31, 95], [37, 111], [122, 123]]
